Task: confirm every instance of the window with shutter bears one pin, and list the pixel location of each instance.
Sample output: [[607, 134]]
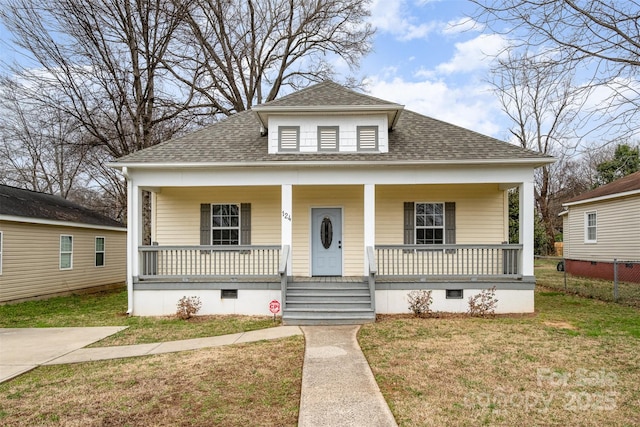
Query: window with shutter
[[328, 138], [225, 224], [429, 223], [289, 138], [367, 138]]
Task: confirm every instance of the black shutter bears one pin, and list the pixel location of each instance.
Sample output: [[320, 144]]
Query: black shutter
[[450, 223], [409, 221], [205, 224], [245, 223]]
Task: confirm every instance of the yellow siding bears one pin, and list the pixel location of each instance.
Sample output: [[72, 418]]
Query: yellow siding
[[481, 211], [31, 255], [177, 219], [348, 197], [618, 230]]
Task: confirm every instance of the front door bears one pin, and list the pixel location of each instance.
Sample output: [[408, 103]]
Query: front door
[[326, 242]]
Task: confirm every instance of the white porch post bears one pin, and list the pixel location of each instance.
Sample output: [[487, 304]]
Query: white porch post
[[134, 235], [369, 221], [527, 210], [287, 220]]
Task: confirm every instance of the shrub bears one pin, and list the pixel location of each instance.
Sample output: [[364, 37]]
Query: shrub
[[188, 307], [420, 302], [483, 304]]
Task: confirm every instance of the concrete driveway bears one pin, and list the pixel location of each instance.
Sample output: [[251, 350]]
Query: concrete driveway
[[23, 349]]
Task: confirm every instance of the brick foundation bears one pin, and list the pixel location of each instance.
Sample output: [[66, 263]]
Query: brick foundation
[[603, 270]]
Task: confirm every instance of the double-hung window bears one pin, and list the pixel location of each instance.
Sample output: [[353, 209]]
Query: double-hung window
[[429, 223], [225, 225], [590, 227], [100, 251], [66, 252]]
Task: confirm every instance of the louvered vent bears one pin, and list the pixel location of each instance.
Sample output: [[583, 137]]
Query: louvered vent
[[289, 138], [328, 138], [367, 138]]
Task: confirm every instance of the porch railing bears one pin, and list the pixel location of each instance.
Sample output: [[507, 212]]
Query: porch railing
[[181, 262], [487, 261]]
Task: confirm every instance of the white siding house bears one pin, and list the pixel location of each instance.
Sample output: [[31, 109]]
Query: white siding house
[[333, 202]]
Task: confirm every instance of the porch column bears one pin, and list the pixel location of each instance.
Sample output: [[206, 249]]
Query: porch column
[[369, 221], [287, 220], [527, 210], [134, 235]]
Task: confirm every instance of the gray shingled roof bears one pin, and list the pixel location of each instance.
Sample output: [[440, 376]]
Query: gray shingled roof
[[327, 93], [31, 204], [415, 138], [623, 185]]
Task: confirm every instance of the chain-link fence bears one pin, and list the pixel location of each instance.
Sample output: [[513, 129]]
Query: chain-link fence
[[613, 280]]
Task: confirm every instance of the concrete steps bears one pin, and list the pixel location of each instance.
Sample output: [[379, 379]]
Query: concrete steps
[[328, 303]]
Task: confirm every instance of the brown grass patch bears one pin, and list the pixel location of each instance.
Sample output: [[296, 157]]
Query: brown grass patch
[[566, 366], [240, 385]]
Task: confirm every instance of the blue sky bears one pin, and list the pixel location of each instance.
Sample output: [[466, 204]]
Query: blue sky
[[429, 56]]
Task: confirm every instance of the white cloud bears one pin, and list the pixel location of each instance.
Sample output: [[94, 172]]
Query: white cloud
[[472, 106], [392, 16], [474, 54]]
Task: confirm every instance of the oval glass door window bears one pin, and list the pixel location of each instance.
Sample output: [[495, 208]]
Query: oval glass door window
[[326, 232]]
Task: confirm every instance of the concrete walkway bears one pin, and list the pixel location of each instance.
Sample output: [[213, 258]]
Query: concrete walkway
[[23, 349], [338, 387]]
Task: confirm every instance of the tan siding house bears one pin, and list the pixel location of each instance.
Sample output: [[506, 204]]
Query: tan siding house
[[336, 204], [46, 252], [601, 226]]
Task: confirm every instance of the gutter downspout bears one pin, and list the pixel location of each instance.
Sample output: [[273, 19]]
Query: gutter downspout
[[130, 237]]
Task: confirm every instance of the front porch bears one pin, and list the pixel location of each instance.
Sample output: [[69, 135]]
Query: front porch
[[245, 278]]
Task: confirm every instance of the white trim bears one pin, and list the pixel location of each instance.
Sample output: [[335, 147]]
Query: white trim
[[42, 221], [66, 252], [103, 251], [415, 223], [369, 221], [239, 227], [586, 227], [286, 232], [601, 198], [324, 163]]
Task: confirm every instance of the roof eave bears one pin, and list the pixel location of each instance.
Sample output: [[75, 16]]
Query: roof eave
[[602, 198], [392, 110], [323, 163]]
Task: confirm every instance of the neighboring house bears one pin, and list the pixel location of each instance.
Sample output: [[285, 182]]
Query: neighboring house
[[602, 225], [49, 246], [333, 202]]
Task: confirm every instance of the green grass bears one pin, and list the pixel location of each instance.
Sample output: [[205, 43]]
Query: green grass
[[548, 276], [109, 309]]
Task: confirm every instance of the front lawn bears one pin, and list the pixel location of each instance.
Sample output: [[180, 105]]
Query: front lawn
[[109, 309], [574, 363]]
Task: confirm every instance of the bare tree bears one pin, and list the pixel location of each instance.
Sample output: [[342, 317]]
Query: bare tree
[[599, 36], [42, 149], [242, 52], [542, 102], [101, 62]]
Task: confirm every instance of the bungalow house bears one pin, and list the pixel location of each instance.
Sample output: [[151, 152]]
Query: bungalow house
[[602, 225], [336, 204], [51, 246]]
